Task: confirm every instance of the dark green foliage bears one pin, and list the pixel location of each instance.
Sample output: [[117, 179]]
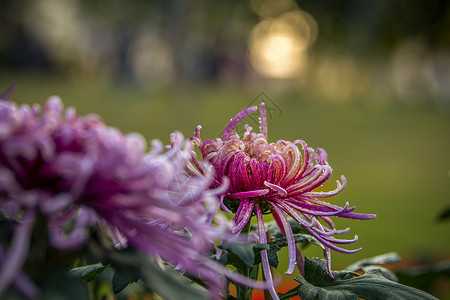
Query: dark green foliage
[[242, 255], [348, 285], [444, 215], [272, 254], [60, 286], [121, 280], [88, 273], [388, 258], [303, 239], [275, 231], [132, 265], [424, 277]]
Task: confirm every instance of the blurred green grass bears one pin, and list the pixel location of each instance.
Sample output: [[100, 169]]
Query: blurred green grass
[[396, 158]]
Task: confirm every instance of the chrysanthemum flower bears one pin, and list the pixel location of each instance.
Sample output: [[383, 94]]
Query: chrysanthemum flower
[[279, 178], [76, 170]]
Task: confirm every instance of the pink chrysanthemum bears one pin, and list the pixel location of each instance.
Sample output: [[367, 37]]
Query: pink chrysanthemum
[[279, 178], [76, 170]]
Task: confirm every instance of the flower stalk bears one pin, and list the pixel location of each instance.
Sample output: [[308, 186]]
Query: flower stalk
[[243, 291]]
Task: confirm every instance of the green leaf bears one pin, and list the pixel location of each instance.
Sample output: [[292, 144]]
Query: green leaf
[[280, 242], [121, 280], [388, 274], [57, 285], [316, 272], [444, 215], [372, 285], [388, 258], [424, 276], [88, 273], [299, 238], [243, 254], [273, 255], [168, 284]]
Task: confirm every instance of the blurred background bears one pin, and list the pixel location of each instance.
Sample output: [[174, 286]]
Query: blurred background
[[369, 81]]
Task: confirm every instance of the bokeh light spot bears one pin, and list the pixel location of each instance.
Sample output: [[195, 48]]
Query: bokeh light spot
[[278, 45]]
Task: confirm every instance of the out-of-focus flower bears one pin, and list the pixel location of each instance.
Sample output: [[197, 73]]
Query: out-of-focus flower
[[278, 178], [76, 171]]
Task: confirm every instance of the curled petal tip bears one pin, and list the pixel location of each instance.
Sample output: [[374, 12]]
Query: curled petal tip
[[197, 131], [291, 172], [291, 269], [281, 191], [237, 119], [55, 104], [358, 216]]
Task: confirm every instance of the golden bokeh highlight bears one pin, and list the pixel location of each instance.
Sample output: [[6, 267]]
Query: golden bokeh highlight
[[278, 45]]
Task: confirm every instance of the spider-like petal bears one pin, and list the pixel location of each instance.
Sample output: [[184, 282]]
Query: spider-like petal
[[74, 170], [281, 177], [281, 191], [237, 119], [248, 194], [289, 237], [339, 188], [244, 217], [18, 250], [264, 257]]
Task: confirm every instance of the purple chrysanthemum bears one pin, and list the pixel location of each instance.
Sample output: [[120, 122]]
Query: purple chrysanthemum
[[76, 170], [278, 178]]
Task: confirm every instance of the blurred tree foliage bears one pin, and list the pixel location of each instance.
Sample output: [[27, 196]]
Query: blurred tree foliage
[[202, 35]]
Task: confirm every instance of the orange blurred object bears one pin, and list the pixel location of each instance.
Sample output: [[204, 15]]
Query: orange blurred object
[[282, 288]]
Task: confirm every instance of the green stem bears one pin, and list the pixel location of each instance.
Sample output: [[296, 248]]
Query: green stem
[[245, 292], [290, 294]]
